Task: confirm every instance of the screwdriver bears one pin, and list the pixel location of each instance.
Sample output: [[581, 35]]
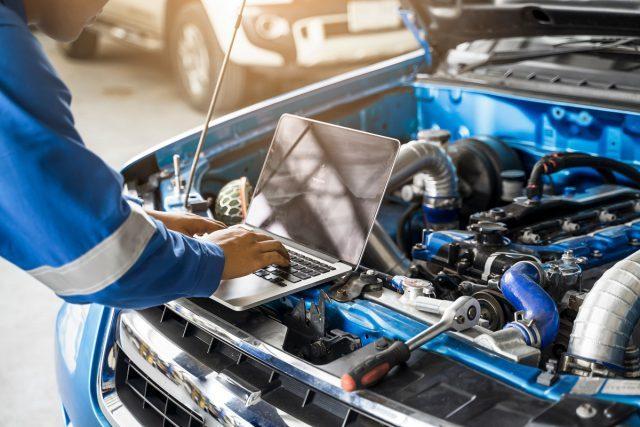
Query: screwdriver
[[459, 315]]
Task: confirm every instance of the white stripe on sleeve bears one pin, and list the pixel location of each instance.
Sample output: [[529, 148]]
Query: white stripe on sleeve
[[105, 263]]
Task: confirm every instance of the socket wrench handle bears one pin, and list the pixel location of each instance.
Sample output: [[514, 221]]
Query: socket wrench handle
[[431, 305], [429, 334]]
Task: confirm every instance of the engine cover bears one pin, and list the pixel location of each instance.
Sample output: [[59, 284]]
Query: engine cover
[[600, 225]]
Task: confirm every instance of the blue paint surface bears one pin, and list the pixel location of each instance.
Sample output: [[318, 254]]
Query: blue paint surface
[[535, 126]]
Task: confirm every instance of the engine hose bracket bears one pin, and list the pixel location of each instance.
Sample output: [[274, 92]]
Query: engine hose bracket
[[527, 328]]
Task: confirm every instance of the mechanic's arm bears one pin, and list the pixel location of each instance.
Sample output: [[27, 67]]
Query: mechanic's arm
[[187, 223], [71, 229], [98, 247], [64, 219]]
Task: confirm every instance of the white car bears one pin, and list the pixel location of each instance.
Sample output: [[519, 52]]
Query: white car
[[282, 39]]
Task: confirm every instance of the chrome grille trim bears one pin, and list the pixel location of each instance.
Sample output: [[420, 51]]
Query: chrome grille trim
[[195, 386], [231, 402], [384, 409], [153, 401]]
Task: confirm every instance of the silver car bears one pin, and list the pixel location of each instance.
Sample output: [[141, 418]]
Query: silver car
[[282, 40]]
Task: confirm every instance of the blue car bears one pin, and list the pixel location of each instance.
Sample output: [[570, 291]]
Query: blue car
[[515, 195]]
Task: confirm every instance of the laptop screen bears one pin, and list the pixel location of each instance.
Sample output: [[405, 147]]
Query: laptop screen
[[321, 186]]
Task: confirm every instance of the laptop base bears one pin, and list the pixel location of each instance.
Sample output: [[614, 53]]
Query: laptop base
[[250, 291]]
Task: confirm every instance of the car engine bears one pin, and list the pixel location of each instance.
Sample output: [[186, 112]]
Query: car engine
[[544, 244], [538, 247]]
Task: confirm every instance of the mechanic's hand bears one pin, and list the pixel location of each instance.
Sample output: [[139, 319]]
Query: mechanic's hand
[[247, 251], [187, 223]]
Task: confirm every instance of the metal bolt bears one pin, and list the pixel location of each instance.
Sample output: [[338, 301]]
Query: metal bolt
[[439, 136], [494, 282], [460, 319], [381, 344], [497, 213], [471, 313], [568, 254], [342, 291], [586, 410], [596, 253], [634, 242]]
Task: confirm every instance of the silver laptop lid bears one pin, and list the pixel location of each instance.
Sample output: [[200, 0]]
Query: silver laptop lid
[[322, 185]]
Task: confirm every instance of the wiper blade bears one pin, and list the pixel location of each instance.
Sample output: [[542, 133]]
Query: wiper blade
[[500, 58]]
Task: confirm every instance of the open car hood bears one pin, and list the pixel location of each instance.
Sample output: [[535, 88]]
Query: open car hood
[[444, 24]]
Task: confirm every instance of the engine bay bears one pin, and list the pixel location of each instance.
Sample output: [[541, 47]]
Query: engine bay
[[529, 261], [527, 206]]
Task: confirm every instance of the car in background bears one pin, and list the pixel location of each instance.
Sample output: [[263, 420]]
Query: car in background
[[283, 40]]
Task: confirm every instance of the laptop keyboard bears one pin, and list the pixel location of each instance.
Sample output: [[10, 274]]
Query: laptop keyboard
[[301, 268]]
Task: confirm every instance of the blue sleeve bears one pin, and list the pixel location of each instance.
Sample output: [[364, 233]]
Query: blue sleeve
[[65, 220], [171, 266]]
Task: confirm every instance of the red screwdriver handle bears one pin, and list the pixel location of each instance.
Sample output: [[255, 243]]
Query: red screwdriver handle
[[375, 367]]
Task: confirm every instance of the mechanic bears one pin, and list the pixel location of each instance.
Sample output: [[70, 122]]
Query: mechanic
[[64, 217]]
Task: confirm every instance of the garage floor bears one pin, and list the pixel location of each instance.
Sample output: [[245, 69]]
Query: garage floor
[[124, 102]]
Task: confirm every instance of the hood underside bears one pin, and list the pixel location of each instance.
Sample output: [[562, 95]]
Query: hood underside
[[448, 23]]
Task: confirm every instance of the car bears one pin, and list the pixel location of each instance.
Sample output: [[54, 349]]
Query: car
[[512, 221], [279, 40]]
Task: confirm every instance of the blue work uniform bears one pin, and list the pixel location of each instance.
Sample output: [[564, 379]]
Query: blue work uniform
[[64, 218]]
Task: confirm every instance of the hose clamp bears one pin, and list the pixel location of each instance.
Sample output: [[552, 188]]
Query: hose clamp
[[527, 328]]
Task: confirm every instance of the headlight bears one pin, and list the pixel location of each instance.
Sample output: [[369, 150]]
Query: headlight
[[271, 27]]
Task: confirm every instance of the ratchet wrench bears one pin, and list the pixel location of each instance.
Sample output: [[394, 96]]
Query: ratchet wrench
[[459, 315]]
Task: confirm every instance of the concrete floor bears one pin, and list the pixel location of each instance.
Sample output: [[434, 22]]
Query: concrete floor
[[124, 102]]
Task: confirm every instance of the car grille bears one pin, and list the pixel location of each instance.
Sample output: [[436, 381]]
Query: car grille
[[150, 404], [153, 406], [174, 351]]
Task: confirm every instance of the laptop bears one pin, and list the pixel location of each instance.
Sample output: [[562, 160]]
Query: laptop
[[319, 192]]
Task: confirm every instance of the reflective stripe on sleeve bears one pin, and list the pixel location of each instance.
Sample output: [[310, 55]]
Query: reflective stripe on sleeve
[[105, 263]]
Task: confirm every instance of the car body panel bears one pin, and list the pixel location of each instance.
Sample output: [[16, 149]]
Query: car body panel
[[81, 336], [222, 15]]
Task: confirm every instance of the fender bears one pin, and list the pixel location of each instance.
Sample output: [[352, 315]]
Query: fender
[[244, 52]]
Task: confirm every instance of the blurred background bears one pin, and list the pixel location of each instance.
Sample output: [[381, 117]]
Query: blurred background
[[144, 72]]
